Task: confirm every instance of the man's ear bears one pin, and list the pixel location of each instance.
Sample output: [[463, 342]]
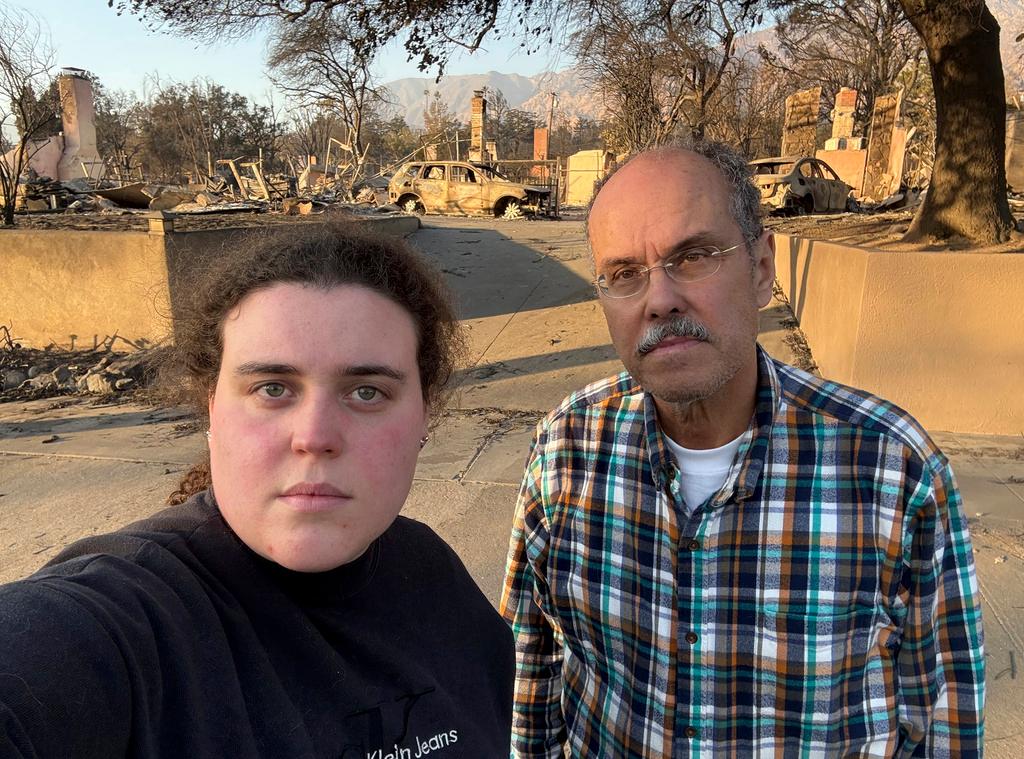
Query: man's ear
[[763, 250]]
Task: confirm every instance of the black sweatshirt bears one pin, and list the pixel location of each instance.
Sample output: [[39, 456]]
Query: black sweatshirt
[[171, 638]]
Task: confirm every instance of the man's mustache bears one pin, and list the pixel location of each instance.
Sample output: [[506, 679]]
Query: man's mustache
[[677, 326]]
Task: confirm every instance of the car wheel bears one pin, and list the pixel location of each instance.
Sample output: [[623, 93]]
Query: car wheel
[[807, 204], [511, 209], [413, 205]]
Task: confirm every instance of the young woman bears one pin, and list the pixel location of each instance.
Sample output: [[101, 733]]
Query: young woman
[[286, 610]]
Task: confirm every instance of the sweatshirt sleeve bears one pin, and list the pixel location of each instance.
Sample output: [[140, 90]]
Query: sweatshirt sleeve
[[64, 686]]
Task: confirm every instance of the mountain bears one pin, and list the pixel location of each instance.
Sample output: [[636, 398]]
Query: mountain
[[575, 97], [408, 98]]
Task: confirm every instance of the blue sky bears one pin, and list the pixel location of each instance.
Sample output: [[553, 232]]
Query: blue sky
[[124, 54]]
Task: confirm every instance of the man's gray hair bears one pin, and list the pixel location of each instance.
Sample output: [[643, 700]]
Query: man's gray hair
[[744, 197]]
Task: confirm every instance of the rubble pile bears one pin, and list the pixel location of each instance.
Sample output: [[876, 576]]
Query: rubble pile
[[29, 374], [218, 194]]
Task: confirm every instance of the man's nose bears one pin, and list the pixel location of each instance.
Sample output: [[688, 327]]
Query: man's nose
[[317, 426], [663, 295]]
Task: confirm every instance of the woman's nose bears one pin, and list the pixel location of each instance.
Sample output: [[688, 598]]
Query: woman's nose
[[317, 426]]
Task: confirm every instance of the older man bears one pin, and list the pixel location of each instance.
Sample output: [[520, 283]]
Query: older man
[[716, 554]]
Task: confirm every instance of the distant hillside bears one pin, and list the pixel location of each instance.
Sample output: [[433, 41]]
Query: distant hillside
[[576, 97], [408, 98]]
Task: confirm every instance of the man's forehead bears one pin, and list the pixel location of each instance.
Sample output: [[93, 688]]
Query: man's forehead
[[674, 199], [658, 176]]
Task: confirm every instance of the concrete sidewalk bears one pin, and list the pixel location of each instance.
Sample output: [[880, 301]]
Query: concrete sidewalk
[[71, 467]]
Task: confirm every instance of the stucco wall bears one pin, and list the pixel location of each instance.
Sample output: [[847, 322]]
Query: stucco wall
[[848, 164], [939, 334], [55, 283]]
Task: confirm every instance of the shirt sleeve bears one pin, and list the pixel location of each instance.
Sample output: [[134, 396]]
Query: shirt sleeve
[[941, 659], [63, 682], [538, 726]]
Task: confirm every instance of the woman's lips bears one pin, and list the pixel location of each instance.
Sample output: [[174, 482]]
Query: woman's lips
[[314, 497]]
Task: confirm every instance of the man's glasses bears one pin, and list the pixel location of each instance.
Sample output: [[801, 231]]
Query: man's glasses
[[690, 265]]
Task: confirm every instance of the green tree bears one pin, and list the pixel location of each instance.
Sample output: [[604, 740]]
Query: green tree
[[391, 141], [441, 128], [184, 127]]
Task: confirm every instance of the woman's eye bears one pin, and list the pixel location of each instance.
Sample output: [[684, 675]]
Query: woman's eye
[[272, 389], [367, 393]]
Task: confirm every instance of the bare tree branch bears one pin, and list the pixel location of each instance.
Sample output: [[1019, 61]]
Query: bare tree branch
[[26, 68]]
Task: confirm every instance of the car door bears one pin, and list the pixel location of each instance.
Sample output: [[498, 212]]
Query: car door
[[465, 190], [812, 177], [432, 187], [837, 188]]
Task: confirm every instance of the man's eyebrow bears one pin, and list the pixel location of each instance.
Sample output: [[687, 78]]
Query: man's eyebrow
[[695, 240]]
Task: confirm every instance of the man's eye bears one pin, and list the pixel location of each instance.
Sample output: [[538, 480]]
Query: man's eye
[[624, 275], [272, 389], [690, 257]]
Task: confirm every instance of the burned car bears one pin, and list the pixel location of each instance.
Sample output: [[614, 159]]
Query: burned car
[[799, 185], [461, 187]]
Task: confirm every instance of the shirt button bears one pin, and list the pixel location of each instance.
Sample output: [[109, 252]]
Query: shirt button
[[691, 637], [691, 732], [693, 545]]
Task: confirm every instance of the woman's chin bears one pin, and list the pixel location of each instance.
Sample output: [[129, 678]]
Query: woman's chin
[[314, 556]]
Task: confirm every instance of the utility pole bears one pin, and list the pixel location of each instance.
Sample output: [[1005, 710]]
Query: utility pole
[[551, 113]]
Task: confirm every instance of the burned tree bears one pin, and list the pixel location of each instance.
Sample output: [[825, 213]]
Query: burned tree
[[836, 43], [26, 66], [660, 64], [317, 61], [117, 130]]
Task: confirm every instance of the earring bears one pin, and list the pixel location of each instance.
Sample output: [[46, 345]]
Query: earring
[[423, 440], [207, 435]]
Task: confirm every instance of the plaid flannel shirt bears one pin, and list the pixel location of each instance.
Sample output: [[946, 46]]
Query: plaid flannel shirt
[[822, 603]]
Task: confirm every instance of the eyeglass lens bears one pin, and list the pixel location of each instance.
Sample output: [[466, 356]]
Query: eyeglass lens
[[684, 266]]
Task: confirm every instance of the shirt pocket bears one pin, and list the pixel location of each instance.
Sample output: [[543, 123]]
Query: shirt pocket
[[829, 672]]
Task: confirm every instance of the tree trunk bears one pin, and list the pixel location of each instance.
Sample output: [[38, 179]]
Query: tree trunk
[[967, 193]]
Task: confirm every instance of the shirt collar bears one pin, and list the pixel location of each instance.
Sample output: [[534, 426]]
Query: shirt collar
[[753, 448]]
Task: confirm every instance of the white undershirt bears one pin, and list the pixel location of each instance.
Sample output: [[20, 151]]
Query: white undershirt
[[703, 471]]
